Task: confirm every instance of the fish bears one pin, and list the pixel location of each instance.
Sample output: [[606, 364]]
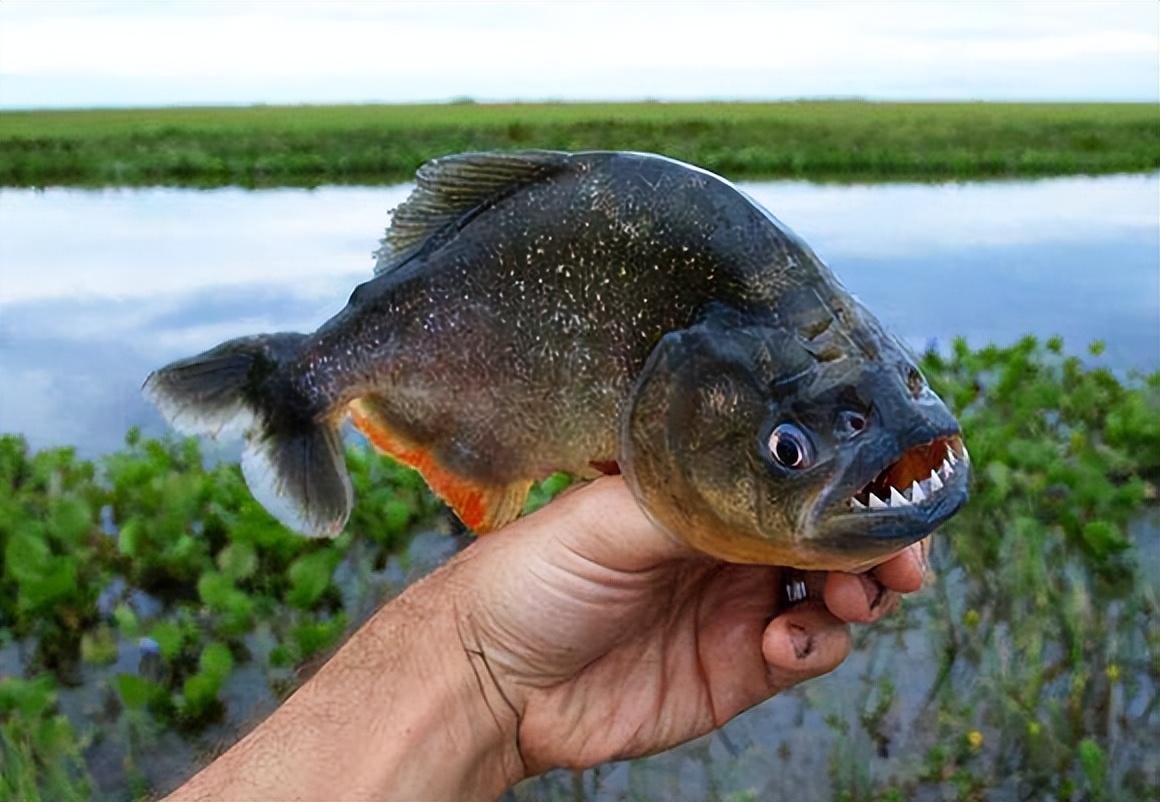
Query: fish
[[597, 312]]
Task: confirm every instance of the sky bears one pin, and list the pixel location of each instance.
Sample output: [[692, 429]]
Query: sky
[[107, 54]]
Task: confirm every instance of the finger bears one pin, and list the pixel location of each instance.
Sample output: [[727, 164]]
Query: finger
[[858, 598], [803, 642], [905, 572]]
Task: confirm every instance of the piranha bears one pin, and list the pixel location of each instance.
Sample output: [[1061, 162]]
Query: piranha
[[597, 312]]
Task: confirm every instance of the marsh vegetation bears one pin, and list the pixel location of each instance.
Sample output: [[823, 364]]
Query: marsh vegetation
[[841, 140], [154, 596]]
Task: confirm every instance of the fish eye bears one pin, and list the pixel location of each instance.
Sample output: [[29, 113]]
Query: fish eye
[[790, 447]]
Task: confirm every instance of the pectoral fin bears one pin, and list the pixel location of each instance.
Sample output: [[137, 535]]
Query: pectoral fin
[[481, 507]]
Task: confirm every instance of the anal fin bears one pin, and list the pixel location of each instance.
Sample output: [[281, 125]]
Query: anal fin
[[482, 507]]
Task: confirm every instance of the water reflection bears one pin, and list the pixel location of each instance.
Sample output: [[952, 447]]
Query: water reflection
[[97, 288]]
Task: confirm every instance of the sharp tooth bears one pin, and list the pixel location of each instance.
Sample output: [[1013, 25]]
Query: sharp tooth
[[856, 504], [935, 483], [966, 455], [897, 499], [916, 494], [877, 503], [951, 455], [946, 470]]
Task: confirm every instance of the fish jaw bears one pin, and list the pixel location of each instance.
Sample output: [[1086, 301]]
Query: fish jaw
[[898, 480], [864, 519]]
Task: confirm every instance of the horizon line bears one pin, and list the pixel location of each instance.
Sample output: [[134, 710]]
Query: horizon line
[[473, 101]]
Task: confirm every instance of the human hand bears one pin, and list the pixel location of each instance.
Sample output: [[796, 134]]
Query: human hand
[[595, 636], [577, 635]]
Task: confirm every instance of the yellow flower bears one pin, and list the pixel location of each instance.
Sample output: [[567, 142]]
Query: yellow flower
[[1112, 671], [975, 739]]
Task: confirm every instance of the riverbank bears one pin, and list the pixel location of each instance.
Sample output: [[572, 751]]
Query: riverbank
[[819, 140]]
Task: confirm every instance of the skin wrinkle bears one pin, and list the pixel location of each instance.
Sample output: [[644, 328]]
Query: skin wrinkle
[[702, 674], [879, 591], [644, 571], [479, 652], [499, 687], [452, 575], [635, 737]]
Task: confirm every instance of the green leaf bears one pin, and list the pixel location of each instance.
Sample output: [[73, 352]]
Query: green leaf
[[215, 590], [169, 637], [127, 622], [130, 537], [199, 694], [396, 515], [31, 698], [70, 520], [1094, 766], [26, 554], [57, 581], [1104, 538], [238, 560], [310, 576], [311, 637], [216, 661], [137, 692]]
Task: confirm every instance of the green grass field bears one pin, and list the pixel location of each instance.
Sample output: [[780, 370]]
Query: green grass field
[[840, 140]]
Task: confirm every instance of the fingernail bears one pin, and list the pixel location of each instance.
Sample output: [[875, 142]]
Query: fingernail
[[803, 641], [874, 590]]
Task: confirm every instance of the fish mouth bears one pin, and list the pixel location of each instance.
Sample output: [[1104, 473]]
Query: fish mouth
[[900, 504], [920, 478]]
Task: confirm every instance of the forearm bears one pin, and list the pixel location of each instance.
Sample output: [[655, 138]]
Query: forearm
[[398, 713]]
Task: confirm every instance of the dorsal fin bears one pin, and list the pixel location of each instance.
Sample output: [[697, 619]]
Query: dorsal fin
[[449, 188]]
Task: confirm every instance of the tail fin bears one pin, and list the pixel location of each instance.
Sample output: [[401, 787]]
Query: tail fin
[[293, 460]]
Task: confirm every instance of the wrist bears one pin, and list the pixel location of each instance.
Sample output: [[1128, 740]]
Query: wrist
[[450, 731]]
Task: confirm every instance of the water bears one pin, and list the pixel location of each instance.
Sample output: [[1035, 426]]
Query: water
[[99, 287]]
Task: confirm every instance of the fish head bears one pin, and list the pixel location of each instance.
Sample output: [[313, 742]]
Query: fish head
[[756, 443]]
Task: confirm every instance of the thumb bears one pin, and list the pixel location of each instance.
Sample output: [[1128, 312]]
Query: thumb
[[803, 642], [602, 522]]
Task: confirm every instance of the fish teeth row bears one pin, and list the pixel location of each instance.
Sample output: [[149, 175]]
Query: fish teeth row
[[918, 492]]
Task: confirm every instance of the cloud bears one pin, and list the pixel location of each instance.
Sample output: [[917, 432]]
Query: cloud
[[129, 53]]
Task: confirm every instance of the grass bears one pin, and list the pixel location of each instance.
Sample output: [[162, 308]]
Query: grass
[[1048, 666], [310, 145]]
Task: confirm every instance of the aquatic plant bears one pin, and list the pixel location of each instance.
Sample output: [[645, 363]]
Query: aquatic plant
[[41, 754], [150, 582]]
